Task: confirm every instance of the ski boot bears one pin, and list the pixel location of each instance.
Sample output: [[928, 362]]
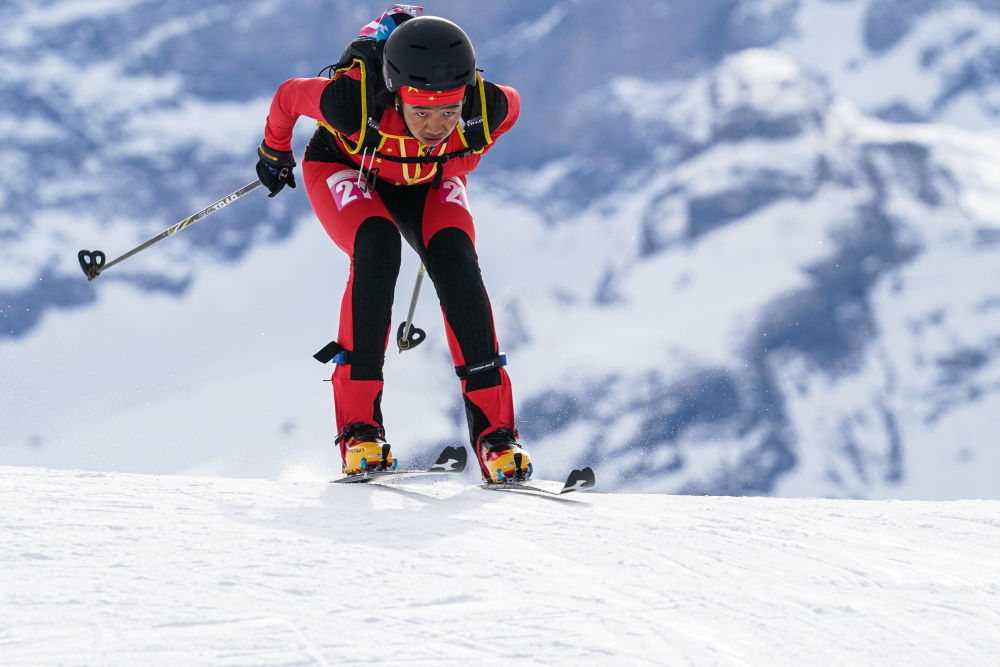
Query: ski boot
[[501, 457], [363, 449]]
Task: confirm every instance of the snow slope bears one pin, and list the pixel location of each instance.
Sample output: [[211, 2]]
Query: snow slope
[[115, 568]]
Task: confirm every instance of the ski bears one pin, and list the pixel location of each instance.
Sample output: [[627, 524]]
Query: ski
[[578, 480], [451, 460]]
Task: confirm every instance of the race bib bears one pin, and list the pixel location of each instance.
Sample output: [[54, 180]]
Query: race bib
[[453, 192], [345, 188]]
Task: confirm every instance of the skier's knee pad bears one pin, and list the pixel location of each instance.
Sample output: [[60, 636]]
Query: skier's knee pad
[[452, 247], [377, 249]]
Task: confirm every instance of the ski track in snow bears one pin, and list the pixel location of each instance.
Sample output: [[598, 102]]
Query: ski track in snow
[[114, 568]]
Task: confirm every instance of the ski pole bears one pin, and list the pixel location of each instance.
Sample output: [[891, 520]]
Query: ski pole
[[410, 336], [92, 261]]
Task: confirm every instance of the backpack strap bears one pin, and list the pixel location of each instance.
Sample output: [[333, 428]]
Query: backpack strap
[[476, 132], [365, 54]]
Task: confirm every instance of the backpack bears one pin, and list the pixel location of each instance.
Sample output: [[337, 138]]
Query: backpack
[[365, 52]]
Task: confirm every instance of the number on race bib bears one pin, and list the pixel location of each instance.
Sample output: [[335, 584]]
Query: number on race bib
[[453, 192], [347, 191]]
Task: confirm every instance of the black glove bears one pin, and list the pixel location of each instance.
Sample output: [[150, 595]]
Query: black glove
[[275, 168]]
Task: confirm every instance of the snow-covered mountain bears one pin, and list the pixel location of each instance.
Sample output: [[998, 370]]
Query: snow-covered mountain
[[113, 568], [733, 246]]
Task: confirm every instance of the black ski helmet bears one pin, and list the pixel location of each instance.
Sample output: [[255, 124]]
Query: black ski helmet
[[429, 53]]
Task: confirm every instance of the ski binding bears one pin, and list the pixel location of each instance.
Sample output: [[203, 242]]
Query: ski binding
[[451, 460]]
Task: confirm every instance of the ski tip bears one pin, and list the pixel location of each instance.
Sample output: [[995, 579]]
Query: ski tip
[[580, 479], [452, 459]]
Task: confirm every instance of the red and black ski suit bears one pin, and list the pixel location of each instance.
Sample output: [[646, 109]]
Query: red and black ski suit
[[430, 210]]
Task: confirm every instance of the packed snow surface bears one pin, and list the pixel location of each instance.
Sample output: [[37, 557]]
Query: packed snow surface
[[117, 568]]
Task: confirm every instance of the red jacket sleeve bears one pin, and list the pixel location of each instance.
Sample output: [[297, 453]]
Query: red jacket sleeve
[[294, 98]]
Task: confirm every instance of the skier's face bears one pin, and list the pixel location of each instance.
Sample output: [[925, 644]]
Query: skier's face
[[430, 125]]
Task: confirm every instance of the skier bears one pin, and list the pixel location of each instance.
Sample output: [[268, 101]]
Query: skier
[[390, 158]]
